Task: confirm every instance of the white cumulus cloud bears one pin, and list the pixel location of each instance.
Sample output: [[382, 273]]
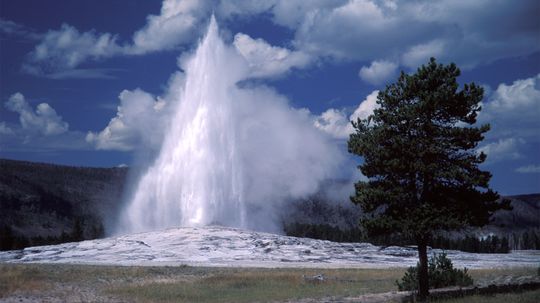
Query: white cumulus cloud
[[43, 119], [513, 110], [522, 95], [378, 72], [529, 169], [266, 60], [466, 32], [60, 52], [336, 123], [39, 129], [366, 107], [67, 48], [407, 32], [242, 8], [10, 28], [420, 54], [502, 149], [178, 22], [139, 121], [5, 130]]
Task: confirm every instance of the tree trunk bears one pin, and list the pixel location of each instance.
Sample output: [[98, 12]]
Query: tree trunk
[[423, 282]]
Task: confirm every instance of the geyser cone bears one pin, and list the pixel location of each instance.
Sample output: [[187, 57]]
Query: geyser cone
[[197, 177]]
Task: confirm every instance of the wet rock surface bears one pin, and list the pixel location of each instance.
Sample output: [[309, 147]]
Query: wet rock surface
[[222, 246]]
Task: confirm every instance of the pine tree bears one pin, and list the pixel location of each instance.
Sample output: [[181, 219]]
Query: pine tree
[[419, 155]]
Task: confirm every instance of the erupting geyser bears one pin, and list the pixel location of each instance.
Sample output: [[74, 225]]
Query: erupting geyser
[[229, 154]]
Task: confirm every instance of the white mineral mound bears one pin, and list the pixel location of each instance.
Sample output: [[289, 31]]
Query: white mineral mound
[[223, 246]]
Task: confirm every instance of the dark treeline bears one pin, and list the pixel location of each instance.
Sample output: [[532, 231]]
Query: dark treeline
[[333, 233], [80, 231], [44, 204], [529, 239], [489, 244]]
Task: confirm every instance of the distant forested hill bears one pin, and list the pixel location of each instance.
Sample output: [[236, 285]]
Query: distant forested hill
[[45, 204], [526, 213], [316, 217]]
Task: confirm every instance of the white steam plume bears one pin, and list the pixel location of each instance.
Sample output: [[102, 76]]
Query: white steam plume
[[230, 156]]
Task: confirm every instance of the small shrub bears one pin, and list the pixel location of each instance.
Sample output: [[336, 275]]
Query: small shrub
[[441, 273], [410, 279]]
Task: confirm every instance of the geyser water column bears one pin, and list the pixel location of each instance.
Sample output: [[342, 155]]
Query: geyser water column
[[197, 177], [231, 155]]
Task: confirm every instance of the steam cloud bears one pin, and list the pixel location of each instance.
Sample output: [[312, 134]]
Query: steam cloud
[[231, 155]]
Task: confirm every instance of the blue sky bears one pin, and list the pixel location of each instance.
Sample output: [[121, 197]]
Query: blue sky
[[67, 66]]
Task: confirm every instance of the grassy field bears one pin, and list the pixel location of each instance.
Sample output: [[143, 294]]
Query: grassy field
[[524, 297], [196, 284]]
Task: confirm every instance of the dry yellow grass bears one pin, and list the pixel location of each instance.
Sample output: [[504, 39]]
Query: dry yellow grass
[[198, 284], [22, 279], [524, 297], [264, 285], [497, 273]]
